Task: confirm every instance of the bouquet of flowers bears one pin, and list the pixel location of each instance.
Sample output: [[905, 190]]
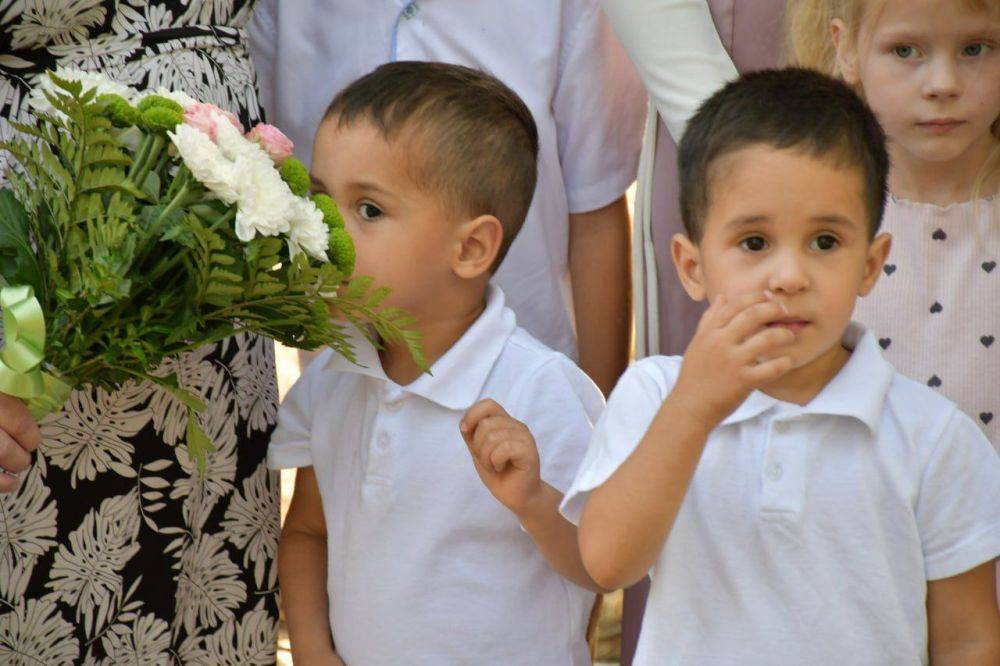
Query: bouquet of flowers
[[140, 226]]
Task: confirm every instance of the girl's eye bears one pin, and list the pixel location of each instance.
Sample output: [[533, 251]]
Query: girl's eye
[[753, 244], [905, 52], [369, 211], [975, 50], [824, 243]]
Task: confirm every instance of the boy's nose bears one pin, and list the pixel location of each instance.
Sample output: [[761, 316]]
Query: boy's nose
[[788, 275], [942, 79]]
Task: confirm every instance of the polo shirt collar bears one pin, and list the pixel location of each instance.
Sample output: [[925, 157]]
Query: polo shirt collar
[[457, 378], [857, 391]]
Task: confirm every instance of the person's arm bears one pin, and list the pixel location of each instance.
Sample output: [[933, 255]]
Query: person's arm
[[676, 49], [626, 520], [963, 619], [302, 575], [599, 265], [19, 436], [506, 459]]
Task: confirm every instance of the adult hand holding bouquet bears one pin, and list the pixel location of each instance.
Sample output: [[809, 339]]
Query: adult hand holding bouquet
[[141, 226]]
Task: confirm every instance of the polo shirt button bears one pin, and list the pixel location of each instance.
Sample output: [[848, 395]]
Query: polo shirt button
[[410, 10], [383, 440], [392, 405], [775, 472]]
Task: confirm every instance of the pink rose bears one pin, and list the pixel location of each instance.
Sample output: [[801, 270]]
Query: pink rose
[[202, 116], [273, 140]]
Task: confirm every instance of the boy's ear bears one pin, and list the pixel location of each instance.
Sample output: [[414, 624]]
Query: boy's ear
[[478, 242], [878, 252], [846, 52], [687, 261]]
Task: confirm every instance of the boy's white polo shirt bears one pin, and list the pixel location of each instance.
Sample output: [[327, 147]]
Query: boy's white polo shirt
[[424, 565], [809, 532]]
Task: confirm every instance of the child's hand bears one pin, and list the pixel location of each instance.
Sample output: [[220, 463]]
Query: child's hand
[[504, 453], [733, 352]]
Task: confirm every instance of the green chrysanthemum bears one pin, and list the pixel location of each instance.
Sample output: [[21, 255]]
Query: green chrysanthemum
[[122, 113], [296, 175], [342, 251], [159, 118], [331, 214], [158, 101]]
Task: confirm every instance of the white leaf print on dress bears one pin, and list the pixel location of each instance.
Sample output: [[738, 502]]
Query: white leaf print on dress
[[252, 524], [91, 434], [35, 633], [195, 373], [250, 642], [208, 585], [27, 528], [87, 572], [201, 492], [256, 381], [46, 22], [145, 641]]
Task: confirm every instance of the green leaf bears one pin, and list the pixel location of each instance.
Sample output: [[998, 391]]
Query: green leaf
[[198, 443], [18, 262]]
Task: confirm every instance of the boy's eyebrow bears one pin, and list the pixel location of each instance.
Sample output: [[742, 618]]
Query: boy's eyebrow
[[747, 220], [317, 182]]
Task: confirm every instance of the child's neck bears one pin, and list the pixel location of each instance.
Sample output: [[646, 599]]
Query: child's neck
[[803, 384], [939, 183], [439, 333]]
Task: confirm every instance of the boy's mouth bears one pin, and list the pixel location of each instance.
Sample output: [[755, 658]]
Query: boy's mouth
[[940, 125], [794, 324]]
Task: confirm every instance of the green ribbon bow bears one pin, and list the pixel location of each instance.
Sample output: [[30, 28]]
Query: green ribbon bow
[[24, 349]]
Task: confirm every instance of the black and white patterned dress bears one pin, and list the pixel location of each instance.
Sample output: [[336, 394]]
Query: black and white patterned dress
[[115, 550]]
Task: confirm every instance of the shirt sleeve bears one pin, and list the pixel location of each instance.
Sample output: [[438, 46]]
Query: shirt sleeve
[[560, 405], [958, 509], [263, 39], [291, 440], [677, 50], [599, 107], [633, 404]]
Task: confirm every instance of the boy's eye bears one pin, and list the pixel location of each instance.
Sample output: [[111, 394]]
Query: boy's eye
[[824, 243], [975, 50], [904, 51], [753, 244], [369, 211]]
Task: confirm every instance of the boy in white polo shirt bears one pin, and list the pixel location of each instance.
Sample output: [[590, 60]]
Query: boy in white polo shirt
[[795, 499], [394, 551]]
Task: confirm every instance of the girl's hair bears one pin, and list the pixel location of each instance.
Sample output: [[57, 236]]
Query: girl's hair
[[809, 43]]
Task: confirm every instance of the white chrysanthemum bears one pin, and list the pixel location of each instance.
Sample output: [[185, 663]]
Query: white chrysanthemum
[[265, 203], [308, 232], [39, 104], [207, 163]]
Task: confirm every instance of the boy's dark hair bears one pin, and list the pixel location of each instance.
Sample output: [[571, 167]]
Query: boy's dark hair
[[787, 109], [478, 140]]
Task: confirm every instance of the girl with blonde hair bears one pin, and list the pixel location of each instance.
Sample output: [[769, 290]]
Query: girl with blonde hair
[[931, 72]]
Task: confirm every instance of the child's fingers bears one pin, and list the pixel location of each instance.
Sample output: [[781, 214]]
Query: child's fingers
[[498, 439], [479, 411], [501, 456], [731, 308], [753, 318], [768, 371], [759, 344]]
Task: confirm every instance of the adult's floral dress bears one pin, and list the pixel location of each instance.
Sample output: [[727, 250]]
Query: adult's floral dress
[[115, 550]]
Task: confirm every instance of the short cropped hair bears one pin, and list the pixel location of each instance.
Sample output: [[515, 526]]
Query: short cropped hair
[[476, 141], [792, 108]]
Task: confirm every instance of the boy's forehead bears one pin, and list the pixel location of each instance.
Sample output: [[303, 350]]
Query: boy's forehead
[[358, 151], [758, 182]]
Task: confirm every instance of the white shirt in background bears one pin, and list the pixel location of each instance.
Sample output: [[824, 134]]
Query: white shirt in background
[[808, 532], [425, 566], [560, 56]]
